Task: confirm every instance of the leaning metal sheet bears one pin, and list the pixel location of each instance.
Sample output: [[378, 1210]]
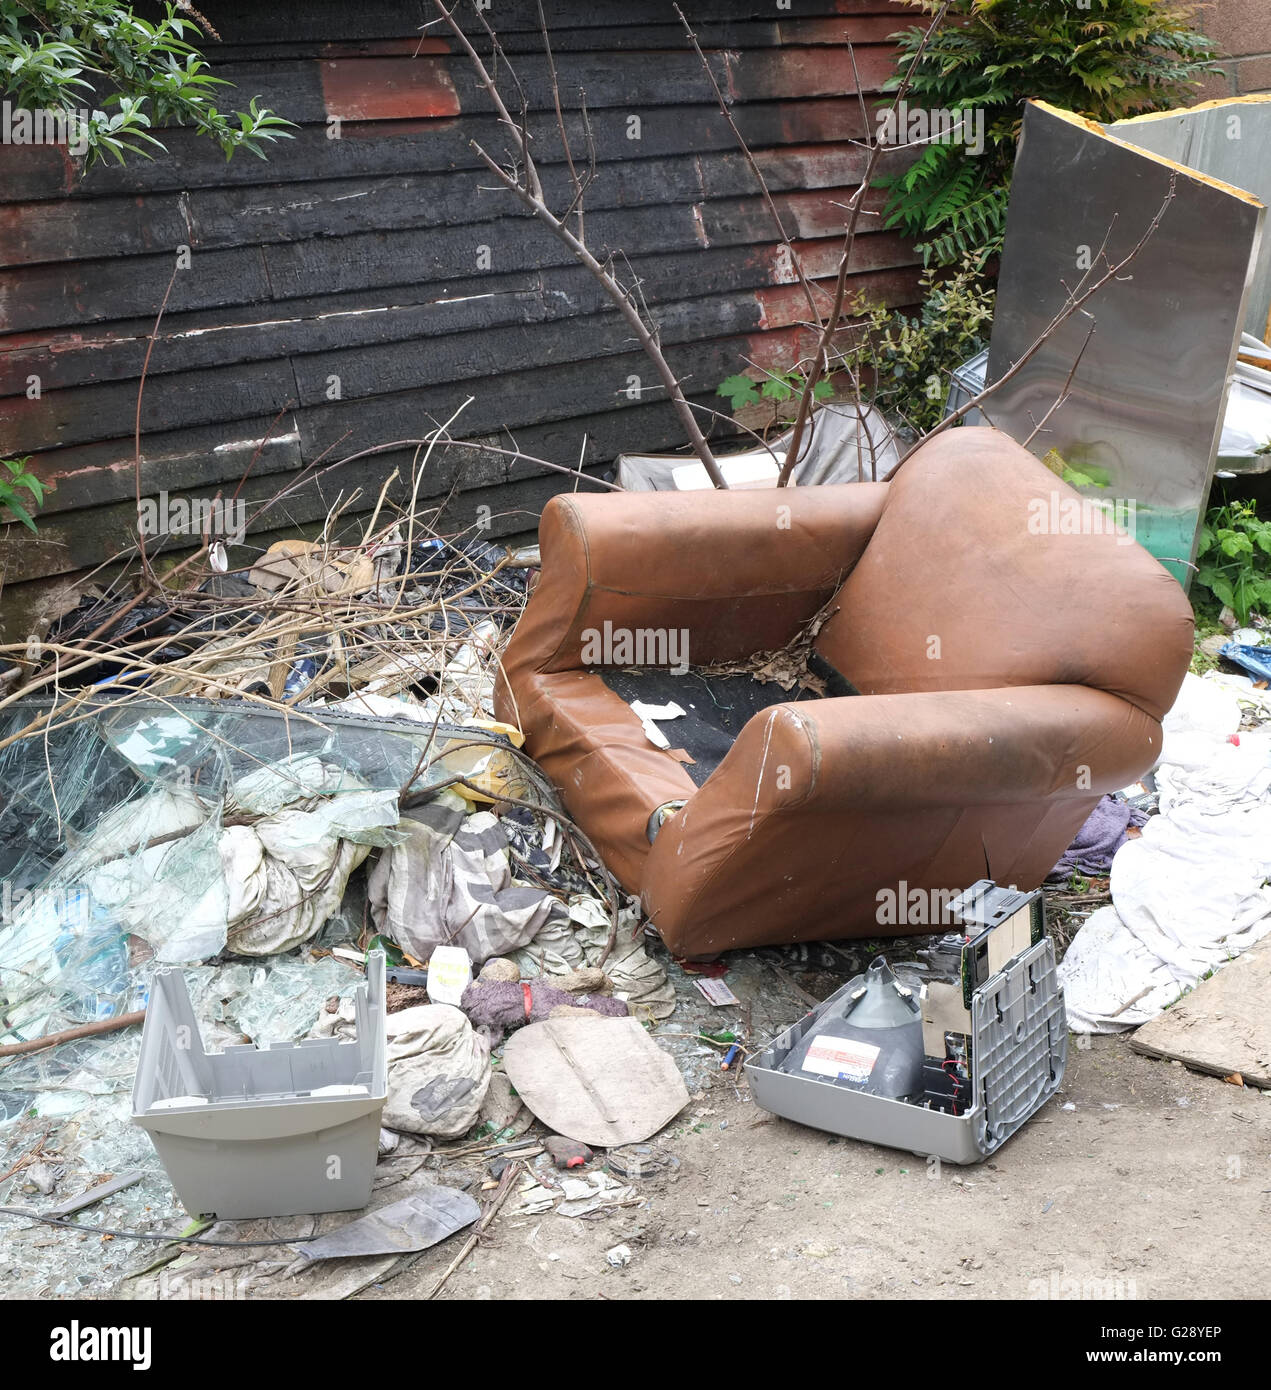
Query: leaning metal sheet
[[1228, 140], [1145, 404]]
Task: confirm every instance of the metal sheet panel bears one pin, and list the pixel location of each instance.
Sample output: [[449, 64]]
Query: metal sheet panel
[[1146, 401], [1229, 140]]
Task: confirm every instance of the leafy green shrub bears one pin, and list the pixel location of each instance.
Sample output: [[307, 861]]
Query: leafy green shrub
[[907, 358], [913, 356], [15, 479], [1235, 556], [1107, 60], [55, 54]]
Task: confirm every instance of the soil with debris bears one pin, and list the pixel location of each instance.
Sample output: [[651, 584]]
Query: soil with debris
[[1139, 1180]]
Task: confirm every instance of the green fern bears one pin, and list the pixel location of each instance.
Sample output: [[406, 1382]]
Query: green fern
[[1117, 58], [975, 231]]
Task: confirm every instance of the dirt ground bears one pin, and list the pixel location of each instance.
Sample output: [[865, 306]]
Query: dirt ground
[[1139, 1180]]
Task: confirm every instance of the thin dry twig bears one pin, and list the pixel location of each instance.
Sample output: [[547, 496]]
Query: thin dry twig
[[764, 191], [523, 181], [510, 1175], [819, 363]]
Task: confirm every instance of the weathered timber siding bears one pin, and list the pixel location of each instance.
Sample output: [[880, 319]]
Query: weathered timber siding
[[364, 258]]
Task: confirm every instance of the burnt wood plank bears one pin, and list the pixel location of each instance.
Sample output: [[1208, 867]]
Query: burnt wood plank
[[206, 457], [448, 365], [49, 296], [318, 323], [427, 146], [185, 398], [336, 20], [514, 399], [516, 243], [86, 291], [770, 31], [217, 219], [402, 86]]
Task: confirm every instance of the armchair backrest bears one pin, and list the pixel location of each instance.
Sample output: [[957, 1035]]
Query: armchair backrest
[[986, 570]]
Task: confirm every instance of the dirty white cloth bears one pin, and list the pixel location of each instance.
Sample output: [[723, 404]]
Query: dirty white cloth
[[438, 1067], [1190, 894], [449, 883], [281, 891], [555, 950], [438, 1071], [262, 888]]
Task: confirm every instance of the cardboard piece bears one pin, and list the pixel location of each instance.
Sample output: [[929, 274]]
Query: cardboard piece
[[1223, 1026], [601, 1081], [715, 992], [1009, 940]]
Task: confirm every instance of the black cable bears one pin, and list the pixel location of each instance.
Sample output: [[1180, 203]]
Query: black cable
[[144, 1235]]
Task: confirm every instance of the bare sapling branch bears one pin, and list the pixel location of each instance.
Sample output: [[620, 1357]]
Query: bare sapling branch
[[522, 180], [830, 326]]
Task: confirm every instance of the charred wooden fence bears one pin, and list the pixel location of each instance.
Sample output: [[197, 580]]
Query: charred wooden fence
[[366, 279]]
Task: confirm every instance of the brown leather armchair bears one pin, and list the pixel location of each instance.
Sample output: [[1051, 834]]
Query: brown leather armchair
[[1004, 677]]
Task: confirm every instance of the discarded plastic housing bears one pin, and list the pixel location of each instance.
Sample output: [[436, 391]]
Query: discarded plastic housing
[[1019, 1048], [263, 1131]]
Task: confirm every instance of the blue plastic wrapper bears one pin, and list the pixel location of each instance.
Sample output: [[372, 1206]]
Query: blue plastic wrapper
[[300, 676], [1255, 660]]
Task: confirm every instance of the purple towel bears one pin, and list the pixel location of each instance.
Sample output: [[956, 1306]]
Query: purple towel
[[495, 1005], [1098, 840]]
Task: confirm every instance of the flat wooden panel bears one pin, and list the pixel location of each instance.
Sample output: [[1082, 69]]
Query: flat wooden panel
[[1222, 1027]]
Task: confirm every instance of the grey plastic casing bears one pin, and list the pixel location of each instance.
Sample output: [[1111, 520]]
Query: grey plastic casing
[[255, 1140], [1019, 1049]]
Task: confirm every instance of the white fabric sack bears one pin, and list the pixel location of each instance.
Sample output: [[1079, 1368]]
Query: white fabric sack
[[438, 1071], [449, 883], [1190, 893]]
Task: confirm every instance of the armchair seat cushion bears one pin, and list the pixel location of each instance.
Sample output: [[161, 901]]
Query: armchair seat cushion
[[716, 708]]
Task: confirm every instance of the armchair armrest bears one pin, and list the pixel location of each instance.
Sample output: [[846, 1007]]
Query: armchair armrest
[[936, 748], [819, 805], [739, 570]]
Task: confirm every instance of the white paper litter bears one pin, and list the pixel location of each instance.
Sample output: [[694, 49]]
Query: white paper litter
[[598, 1190], [648, 714], [1190, 893]]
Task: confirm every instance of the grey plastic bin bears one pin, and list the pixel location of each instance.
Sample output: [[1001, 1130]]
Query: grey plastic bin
[[263, 1130], [1018, 1053]]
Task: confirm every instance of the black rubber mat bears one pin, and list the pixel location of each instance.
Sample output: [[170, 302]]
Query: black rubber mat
[[716, 709]]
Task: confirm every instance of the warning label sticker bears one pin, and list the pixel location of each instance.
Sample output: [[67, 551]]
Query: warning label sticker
[[840, 1057]]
